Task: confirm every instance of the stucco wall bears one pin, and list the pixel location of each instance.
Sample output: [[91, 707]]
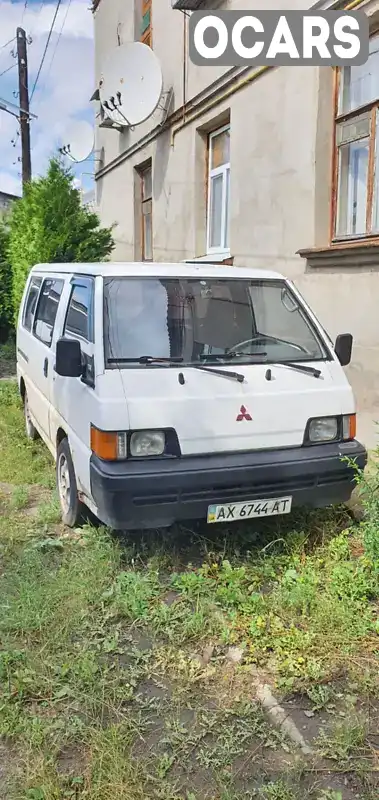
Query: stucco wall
[[280, 190]]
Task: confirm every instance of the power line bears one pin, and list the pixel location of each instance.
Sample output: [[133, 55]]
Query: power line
[[7, 70], [59, 36], [23, 11], [45, 50], [7, 43]]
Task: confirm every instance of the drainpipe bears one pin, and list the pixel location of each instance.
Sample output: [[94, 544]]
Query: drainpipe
[[184, 100], [239, 85]]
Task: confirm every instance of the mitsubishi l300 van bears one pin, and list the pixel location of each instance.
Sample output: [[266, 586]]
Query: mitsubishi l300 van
[[169, 392]]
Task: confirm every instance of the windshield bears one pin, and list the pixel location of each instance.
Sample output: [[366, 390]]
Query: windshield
[[204, 321]]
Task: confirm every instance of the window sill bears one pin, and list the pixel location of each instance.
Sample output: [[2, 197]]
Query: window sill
[[344, 254]]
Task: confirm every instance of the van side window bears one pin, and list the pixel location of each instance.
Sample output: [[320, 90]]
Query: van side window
[[31, 302], [47, 310], [78, 322]]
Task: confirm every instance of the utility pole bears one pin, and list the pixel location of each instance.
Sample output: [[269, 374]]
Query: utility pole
[[22, 59]]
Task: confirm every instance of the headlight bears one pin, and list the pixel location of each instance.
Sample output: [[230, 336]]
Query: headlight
[[324, 429], [147, 443]]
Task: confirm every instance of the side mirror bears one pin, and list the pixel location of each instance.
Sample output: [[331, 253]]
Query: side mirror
[[68, 358], [343, 348]]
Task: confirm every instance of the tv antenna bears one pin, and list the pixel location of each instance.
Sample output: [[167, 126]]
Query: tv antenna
[[131, 84], [79, 141]]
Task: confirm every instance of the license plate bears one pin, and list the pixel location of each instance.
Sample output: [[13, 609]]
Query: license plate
[[258, 508]]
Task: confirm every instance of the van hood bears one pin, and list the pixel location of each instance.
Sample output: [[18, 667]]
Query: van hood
[[212, 413]]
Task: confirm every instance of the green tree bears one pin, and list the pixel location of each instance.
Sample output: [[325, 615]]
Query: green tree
[[6, 306], [49, 225]]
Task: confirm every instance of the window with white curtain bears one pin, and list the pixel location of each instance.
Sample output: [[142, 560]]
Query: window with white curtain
[[218, 191]]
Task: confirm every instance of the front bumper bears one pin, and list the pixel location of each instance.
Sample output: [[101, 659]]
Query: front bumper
[[158, 492]]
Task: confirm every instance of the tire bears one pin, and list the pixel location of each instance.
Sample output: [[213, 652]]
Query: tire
[[71, 507], [30, 430]]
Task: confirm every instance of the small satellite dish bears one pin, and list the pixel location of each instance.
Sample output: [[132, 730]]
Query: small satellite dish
[[131, 84], [78, 141]]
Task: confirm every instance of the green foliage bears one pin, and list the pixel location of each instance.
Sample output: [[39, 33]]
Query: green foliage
[[22, 461], [5, 284], [367, 483], [8, 350], [115, 671], [277, 791], [49, 225]]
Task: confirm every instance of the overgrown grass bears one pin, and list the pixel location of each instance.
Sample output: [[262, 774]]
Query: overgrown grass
[[22, 462], [8, 358], [105, 689]]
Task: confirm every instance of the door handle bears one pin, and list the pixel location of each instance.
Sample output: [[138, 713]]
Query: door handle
[[45, 367]]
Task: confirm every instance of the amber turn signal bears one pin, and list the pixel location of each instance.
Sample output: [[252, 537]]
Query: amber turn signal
[[108, 445], [349, 427]]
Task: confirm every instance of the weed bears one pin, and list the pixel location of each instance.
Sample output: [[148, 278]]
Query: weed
[[277, 791], [321, 696], [22, 462], [110, 772], [346, 739], [368, 491], [8, 358], [19, 498], [132, 593], [92, 711], [49, 512]]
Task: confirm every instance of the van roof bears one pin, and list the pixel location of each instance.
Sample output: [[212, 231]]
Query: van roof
[[157, 269]]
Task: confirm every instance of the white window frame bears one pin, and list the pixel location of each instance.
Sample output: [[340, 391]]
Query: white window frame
[[213, 173], [367, 117]]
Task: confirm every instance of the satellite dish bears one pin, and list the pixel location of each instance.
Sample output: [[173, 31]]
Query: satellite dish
[[131, 84], [78, 141]]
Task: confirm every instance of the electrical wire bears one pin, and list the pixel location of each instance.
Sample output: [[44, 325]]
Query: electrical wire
[[59, 36], [23, 12], [45, 50], [7, 70], [7, 43]]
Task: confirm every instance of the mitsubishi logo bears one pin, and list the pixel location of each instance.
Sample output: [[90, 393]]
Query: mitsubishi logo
[[244, 414]]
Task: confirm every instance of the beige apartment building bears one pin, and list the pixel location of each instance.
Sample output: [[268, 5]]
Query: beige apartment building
[[271, 168]]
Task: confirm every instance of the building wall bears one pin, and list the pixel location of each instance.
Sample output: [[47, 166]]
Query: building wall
[[6, 201], [280, 184]]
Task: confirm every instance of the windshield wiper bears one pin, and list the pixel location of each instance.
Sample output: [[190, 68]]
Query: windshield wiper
[[225, 373], [146, 360], [233, 354], [176, 360], [300, 367]]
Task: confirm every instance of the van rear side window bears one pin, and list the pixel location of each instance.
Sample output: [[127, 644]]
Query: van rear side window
[[47, 310], [31, 302]]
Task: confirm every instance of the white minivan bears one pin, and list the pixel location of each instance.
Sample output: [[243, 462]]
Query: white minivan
[[169, 392]]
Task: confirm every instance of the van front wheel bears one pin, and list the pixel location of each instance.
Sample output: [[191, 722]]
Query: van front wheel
[[71, 507]]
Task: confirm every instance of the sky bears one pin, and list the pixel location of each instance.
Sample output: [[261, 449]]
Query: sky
[[64, 87]]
